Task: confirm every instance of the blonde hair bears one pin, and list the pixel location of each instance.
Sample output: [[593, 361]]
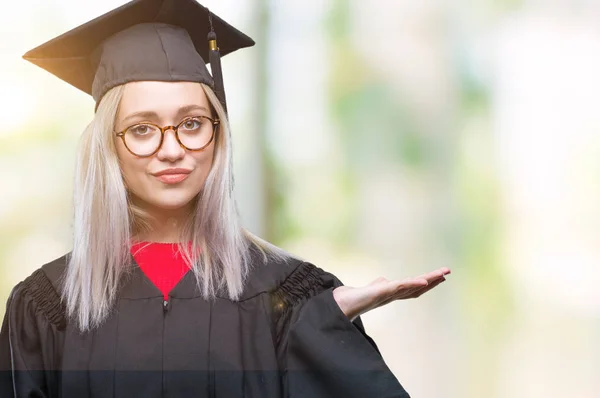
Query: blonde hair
[[105, 220]]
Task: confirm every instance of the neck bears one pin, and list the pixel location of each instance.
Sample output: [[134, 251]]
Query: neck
[[165, 224]]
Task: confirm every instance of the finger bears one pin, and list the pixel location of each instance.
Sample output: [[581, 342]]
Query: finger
[[419, 293], [441, 271], [382, 288], [405, 286], [402, 296], [413, 293], [384, 291], [413, 287], [434, 275], [410, 282], [404, 293]]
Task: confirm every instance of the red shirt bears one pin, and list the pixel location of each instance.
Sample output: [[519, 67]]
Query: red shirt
[[161, 262]]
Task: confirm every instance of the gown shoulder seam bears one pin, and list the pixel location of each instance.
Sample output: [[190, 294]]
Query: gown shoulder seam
[[304, 282], [46, 299]]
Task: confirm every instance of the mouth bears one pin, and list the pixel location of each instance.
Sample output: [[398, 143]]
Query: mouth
[[172, 176]]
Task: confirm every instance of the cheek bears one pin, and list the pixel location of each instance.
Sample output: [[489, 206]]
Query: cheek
[[204, 162], [132, 168]]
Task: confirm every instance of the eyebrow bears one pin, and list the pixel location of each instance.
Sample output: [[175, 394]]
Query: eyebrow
[[153, 115]]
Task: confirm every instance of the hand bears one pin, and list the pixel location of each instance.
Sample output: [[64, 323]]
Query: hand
[[355, 301]]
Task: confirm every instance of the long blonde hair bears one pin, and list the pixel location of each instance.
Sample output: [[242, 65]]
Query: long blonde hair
[[105, 220]]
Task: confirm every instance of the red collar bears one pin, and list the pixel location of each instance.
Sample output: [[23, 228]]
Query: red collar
[[162, 263]]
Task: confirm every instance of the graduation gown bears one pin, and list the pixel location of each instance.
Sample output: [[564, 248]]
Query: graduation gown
[[285, 337]]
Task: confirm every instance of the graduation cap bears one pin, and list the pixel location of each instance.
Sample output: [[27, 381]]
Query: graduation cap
[[164, 40]]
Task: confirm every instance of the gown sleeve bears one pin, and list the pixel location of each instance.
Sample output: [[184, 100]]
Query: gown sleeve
[[320, 351], [30, 340]]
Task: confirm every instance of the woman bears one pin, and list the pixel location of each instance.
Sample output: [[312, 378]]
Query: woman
[[164, 293]]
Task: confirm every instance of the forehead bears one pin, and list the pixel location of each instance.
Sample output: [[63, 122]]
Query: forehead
[[163, 98]]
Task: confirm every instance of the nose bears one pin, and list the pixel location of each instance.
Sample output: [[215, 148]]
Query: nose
[[170, 149]]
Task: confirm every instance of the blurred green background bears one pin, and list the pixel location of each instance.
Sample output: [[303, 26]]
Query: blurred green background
[[381, 138]]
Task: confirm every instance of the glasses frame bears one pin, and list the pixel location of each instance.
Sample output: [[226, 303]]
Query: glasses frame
[[215, 123]]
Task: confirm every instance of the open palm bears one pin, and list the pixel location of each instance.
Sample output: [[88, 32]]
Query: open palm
[[355, 301]]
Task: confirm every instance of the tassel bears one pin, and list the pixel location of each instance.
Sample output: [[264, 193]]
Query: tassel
[[217, 73], [215, 64]]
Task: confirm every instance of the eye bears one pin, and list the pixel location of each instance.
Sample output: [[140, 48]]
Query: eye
[[140, 129], [192, 124]]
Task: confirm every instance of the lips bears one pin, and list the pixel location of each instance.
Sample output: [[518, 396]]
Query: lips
[[172, 176]]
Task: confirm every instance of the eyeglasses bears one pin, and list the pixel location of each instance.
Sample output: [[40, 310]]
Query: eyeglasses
[[192, 133]]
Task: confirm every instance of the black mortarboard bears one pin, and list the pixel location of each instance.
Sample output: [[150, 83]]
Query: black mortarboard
[[165, 40]]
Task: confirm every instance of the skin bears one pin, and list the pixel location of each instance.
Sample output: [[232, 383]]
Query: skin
[[170, 204], [355, 301]]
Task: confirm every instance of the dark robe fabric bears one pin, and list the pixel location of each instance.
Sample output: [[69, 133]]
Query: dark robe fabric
[[285, 337]]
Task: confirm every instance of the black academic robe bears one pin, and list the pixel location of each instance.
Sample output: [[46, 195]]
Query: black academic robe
[[285, 337]]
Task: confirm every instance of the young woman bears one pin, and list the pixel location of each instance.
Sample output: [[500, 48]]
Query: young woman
[[164, 293]]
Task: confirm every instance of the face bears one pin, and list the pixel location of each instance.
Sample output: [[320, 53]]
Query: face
[[170, 178]]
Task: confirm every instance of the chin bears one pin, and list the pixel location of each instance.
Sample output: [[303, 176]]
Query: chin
[[171, 201], [173, 204]]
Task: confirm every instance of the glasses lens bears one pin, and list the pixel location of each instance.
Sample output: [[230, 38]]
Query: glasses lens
[[142, 139], [195, 132]]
